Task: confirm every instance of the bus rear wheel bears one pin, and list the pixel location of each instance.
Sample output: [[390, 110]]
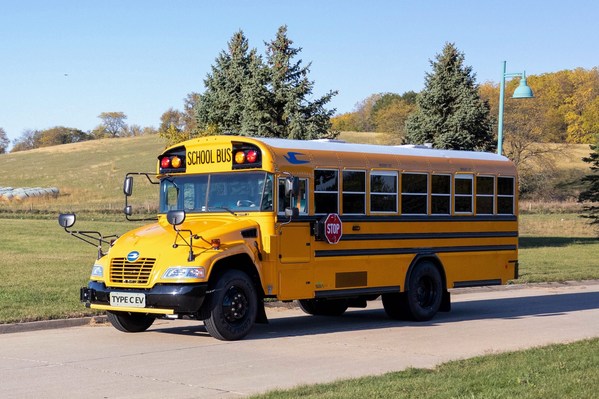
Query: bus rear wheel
[[423, 296], [424, 292], [323, 307], [130, 322], [233, 307]]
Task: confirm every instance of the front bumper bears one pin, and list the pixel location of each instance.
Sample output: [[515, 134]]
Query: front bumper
[[161, 299]]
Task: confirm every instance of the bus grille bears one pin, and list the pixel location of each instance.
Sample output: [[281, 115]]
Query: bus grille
[[125, 272]]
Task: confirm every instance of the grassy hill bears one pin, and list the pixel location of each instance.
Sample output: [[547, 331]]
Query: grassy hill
[[88, 174]]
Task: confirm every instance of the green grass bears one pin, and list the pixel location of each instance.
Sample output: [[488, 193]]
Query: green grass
[[557, 247], [42, 268], [556, 371]]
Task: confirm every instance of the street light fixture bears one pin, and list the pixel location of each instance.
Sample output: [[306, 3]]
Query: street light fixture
[[522, 91]]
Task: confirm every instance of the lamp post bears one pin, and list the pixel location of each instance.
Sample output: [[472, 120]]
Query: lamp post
[[522, 91]]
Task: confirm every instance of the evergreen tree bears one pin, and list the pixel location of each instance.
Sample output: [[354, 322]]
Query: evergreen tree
[[590, 197], [451, 114], [293, 115], [220, 107], [246, 96]]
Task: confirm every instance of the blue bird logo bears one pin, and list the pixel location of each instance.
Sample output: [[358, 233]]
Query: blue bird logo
[[291, 157]]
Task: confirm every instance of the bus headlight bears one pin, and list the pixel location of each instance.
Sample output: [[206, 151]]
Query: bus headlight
[[180, 272], [97, 271]]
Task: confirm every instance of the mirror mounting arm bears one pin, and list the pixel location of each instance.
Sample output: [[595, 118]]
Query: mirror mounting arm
[[176, 218], [128, 191], [94, 238]]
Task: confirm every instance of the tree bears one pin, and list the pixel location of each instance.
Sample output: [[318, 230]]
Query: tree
[[4, 141], [345, 122], [25, 142], [171, 117], [364, 111], [189, 120], [221, 104], [590, 197], [294, 116], [381, 112], [113, 124], [392, 118], [450, 113], [246, 96]]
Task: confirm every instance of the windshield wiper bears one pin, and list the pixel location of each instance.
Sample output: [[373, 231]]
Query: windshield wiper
[[212, 208]]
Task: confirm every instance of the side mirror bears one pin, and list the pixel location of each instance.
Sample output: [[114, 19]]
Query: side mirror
[[175, 217], [66, 220], [128, 186], [291, 186], [128, 211], [291, 212]]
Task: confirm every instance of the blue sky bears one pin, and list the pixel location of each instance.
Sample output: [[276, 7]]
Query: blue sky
[[65, 62]]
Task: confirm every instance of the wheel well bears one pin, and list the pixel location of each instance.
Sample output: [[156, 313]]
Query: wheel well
[[431, 258], [240, 262]]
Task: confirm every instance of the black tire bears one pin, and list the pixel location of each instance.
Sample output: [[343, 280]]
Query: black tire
[[424, 292], [130, 322], [233, 306], [396, 306], [323, 307]]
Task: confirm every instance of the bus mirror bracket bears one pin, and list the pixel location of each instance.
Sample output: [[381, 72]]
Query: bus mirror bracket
[[95, 238], [176, 218], [128, 191]]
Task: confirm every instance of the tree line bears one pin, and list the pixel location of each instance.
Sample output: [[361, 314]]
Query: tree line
[[113, 124], [565, 109]]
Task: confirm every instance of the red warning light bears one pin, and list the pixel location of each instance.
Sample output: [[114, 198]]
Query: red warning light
[[252, 156]]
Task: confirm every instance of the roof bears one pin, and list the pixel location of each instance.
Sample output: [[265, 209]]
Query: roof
[[335, 145]]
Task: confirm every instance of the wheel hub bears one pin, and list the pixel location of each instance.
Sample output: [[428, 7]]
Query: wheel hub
[[235, 305]]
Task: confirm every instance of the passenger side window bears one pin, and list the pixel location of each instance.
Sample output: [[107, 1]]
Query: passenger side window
[[354, 192], [505, 195], [326, 191], [440, 194], [485, 195], [463, 193], [383, 191], [414, 193]]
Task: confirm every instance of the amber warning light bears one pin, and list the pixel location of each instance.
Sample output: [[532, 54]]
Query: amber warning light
[[247, 158]]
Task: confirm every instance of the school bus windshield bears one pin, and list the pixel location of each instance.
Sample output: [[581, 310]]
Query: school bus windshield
[[217, 192]]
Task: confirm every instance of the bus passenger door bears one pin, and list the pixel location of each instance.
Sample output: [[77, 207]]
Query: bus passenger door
[[295, 251]]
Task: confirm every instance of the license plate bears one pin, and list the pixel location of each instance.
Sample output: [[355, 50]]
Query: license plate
[[127, 299]]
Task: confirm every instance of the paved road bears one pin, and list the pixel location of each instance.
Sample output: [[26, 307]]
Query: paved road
[[178, 359]]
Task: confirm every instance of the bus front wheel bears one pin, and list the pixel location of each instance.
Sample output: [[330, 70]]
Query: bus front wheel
[[233, 307], [130, 322]]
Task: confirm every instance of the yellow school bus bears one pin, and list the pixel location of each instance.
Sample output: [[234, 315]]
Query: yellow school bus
[[329, 224]]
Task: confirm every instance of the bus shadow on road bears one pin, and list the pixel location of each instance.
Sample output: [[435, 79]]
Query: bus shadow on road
[[375, 319]]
